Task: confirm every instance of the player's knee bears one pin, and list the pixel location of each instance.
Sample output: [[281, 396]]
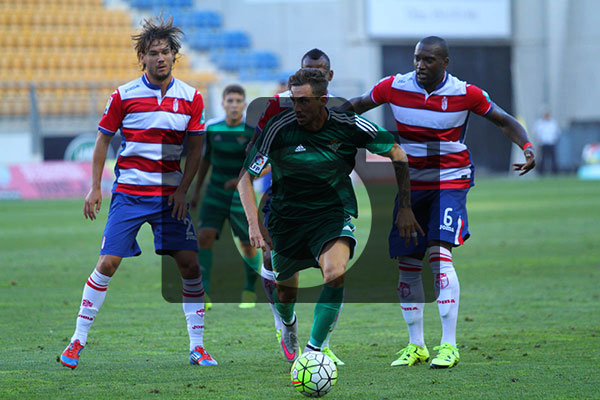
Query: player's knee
[[107, 265], [189, 269], [248, 250], [286, 295], [334, 276], [206, 238]]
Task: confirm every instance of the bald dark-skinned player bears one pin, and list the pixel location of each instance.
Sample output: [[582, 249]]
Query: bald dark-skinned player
[[431, 109]]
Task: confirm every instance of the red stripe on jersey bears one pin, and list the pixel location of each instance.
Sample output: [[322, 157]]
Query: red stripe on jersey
[[145, 190], [479, 102], [273, 108], [408, 99], [452, 160], [449, 184], [148, 104], [162, 136], [144, 164], [381, 91], [420, 134], [90, 284]]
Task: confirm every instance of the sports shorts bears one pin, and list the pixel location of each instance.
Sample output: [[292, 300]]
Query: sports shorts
[[297, 245], [128, 213], [213, 217], [441, 213]]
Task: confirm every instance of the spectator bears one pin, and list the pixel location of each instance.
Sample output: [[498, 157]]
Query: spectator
[[547, 132]]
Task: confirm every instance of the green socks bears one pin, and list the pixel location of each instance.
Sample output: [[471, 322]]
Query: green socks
[[252, 267], [285, 311], [326, 312]]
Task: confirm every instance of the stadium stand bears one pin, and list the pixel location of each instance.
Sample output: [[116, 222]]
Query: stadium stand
[[75, 52], [230, 50]]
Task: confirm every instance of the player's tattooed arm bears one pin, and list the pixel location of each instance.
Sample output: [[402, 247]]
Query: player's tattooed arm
[[403, 182], [400, 164], [407, 224]]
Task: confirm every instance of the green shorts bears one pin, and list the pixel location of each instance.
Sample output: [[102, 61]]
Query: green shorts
[[297, 245], [213, 217]]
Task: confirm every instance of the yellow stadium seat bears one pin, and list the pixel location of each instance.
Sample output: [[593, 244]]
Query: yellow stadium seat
[[71, 42]]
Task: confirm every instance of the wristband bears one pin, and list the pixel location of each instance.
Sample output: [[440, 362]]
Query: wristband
[[526, 146]]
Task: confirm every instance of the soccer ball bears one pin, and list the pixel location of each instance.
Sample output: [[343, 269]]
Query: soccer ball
[[313, 374]]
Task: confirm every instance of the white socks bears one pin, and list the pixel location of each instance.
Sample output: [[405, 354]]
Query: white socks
[[410, 292], [94, 293], [193, 308], [446, 282], [268, 280], [93, 296]]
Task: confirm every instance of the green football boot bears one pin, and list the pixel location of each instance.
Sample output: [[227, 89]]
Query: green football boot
[[248, 300], [411, 355], [328, 352], [447, 357]]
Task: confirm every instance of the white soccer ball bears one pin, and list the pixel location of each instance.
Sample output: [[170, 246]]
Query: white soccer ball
[[314, 374]]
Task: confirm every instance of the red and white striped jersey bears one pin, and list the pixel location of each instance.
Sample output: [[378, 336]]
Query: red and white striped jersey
[[152, 129], [278, 103], [432, 127]]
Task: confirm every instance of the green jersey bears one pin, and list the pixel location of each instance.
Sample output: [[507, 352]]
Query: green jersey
[[311, 170], [225, 149]]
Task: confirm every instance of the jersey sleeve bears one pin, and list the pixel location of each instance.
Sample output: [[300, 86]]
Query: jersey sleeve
[[373, 137], [273, 108], [113, 115], [478, 100], [381, 92], [196, 124], [256, 161]]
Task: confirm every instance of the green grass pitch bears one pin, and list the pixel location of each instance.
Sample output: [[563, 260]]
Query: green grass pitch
[[529, 324]]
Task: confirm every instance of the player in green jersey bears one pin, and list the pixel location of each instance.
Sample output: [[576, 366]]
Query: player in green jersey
[[224, 150], [312, 150]]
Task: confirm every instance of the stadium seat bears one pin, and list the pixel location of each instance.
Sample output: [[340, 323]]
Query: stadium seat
[[236, 39], [265, 60], [82, 42]]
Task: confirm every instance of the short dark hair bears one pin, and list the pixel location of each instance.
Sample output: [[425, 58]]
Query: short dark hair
[[234, 88], [312, 76], [157, 30], [316, 54], [440, 43]]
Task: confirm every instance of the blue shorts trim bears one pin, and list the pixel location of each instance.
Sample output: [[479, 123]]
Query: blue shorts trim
[[128, 213], [441, 213]]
